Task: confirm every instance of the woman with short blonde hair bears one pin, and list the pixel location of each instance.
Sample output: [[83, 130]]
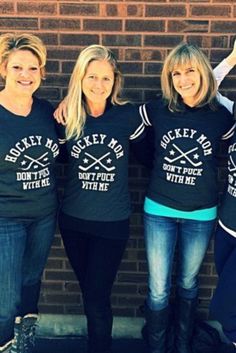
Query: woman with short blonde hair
[[180, 208], [28, 148]]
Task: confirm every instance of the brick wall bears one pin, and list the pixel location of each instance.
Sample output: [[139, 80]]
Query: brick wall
[[140, 33]]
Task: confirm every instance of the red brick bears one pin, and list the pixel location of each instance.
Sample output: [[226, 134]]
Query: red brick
[[62, 53], [223, 26], [36, 8], [48, 38], [143, 54], [135, 10], [18, 23], [51, 94], [6, 7], [121, 40], [144, 26], [130, 301], [50, 308], [131, 68], [60, 24], [132, 95], [59, 275], [112, 10], [57, 80], [73, 309], [210, 11], [67, 66], [74, 9], [218, 55], [125, 311], [162, 41], [153, 68], [102, 25], [79, 39], [51, 287], [188, 26], [208, 41], [165, 11]]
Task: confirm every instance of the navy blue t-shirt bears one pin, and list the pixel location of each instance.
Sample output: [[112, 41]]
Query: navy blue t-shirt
[[28, 149], [97, 182], [184, 174]]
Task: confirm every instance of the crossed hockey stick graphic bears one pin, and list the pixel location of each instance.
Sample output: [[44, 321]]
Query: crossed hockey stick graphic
[[36, 161], [183, 155], [233, 168], [97, 161]]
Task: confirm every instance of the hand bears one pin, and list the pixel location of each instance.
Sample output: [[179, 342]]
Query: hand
[[60, 114]]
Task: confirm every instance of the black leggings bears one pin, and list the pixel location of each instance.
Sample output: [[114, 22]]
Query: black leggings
[[95, 261]]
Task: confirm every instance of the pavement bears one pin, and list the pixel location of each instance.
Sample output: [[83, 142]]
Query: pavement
[[67, 334], [78, 345]]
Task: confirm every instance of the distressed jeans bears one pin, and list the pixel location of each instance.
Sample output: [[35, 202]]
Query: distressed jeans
[[25, 246], [161, 236]]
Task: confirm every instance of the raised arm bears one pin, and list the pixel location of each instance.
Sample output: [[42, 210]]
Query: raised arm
[[225, 66], [220, 72]]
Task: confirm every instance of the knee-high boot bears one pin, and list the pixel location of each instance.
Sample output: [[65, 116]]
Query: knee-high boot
[[157, 322], [185, 310]]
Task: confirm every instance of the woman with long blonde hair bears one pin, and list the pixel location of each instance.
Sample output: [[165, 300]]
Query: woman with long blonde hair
[[94, 218]]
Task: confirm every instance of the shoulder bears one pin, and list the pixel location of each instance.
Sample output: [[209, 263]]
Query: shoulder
[[157, 103], [153, 109], [223, 113], [125, 108]]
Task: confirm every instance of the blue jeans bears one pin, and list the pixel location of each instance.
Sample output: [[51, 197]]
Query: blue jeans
[[161, 236], [24, 245]]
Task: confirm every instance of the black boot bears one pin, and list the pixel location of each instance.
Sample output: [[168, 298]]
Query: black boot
[[170, 333], [184, 323], [157, 322], [99, 332]]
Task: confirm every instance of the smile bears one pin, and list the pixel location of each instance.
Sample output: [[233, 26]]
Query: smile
[[186, 87], [25, 83]]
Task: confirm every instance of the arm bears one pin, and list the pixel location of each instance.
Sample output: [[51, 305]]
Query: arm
[[225, 66]]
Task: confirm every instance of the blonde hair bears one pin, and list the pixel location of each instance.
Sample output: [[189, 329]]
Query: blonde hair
[[11, 42], [182, 55], [75, 101]]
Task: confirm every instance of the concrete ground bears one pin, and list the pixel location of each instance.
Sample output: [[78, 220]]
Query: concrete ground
[[66, 334], [78, 345]]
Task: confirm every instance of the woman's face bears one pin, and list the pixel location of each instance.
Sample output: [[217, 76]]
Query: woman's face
[[98, 82], [22, 73], [187, 81]]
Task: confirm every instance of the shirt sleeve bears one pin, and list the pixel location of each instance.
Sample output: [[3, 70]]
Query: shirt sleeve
[[222, 70], [61, 132], [144, 115], [226, 102], [139, 127], [229, 124]]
